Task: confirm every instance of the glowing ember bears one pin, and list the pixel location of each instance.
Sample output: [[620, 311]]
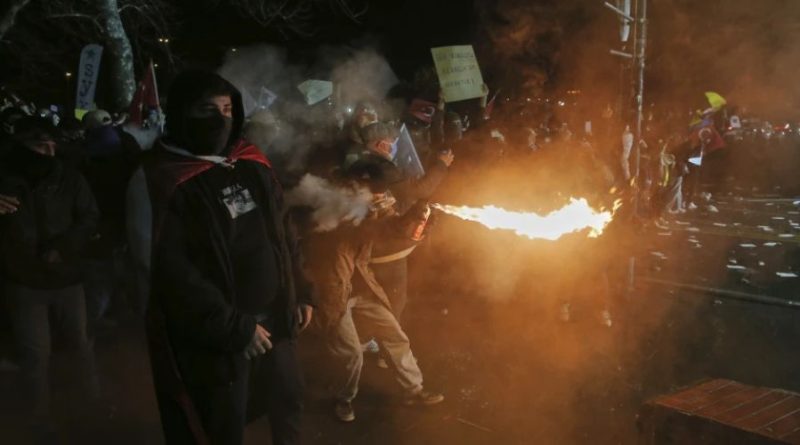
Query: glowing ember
[[574, 217]]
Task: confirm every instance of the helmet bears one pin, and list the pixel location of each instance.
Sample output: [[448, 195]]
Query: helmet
[[96, 119]]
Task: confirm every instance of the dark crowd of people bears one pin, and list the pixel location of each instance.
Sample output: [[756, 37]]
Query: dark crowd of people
[[194, 234]]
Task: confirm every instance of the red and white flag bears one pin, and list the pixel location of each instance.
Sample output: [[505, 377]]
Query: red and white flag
[[146, 97], [487, 112]]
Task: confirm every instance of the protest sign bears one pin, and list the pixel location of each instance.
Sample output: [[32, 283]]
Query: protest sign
[[315, 91], [87, 78], [459, 74], [266, 98]]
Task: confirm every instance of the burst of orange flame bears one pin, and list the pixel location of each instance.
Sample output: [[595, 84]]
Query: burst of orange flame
[[576, 216]]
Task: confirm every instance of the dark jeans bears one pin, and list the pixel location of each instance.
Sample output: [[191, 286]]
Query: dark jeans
[[393, 277], [33, 311], [272, 384]]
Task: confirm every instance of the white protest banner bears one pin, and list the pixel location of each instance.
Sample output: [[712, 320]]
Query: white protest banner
[[459, 74], [88, 70], [315, 91]]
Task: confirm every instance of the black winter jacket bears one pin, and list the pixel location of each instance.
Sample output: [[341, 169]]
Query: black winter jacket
[[57, 212]]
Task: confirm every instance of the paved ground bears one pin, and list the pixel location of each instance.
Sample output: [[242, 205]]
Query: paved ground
[[484, 326]]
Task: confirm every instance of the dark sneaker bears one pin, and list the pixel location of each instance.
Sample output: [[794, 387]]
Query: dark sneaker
[[424, 398], [344, 411]]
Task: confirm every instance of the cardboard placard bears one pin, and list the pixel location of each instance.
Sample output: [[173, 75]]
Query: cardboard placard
[[459, 74]]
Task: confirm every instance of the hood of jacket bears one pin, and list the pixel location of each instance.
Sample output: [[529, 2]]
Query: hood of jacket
[[191, 86]]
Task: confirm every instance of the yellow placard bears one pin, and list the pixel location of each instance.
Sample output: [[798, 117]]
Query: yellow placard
[[459, 74]]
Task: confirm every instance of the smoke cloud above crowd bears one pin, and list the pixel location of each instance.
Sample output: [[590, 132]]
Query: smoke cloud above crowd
[[357, 75]]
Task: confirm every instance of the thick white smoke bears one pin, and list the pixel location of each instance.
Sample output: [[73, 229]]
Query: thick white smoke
[[331, 205], [357, 75], [362, 75]]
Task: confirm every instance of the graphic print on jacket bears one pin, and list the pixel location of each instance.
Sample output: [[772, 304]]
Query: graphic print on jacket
[[238, 200]]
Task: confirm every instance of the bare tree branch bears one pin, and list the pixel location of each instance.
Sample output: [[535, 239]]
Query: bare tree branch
[[350, 12], [10, 15], [77, 15], [295, 17]]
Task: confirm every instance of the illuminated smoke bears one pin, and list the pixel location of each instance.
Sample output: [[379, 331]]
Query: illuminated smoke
[[331, 205]]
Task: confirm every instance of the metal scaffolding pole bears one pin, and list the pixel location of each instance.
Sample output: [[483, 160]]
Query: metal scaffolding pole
[[641, 51]]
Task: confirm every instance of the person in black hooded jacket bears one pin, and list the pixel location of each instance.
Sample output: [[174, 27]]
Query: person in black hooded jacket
[[42, 243], [227, 294]]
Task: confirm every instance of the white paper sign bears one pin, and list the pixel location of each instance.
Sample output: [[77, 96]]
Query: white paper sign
[[459, 74]]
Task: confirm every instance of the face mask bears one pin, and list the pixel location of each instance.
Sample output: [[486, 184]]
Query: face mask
[[34, 166], [208, 135], [384, 148]]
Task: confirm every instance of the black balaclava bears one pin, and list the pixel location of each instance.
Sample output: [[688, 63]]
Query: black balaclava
[[30, 164], [212, 135], [208, 135], [33, 166]]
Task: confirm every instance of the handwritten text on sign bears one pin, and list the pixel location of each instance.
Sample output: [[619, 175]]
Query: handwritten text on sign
[[459, 73]]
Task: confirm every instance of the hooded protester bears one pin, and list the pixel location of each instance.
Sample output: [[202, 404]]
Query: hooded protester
[[227, 295], [43, 241]]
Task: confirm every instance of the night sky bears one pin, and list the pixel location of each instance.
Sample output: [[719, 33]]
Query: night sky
[[402, 30], [746, 50]]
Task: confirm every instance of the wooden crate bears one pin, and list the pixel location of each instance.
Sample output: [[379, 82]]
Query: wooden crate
[[722, 412]]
